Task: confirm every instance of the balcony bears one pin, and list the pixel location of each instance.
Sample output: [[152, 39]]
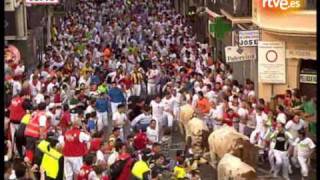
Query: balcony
[[237, 8]]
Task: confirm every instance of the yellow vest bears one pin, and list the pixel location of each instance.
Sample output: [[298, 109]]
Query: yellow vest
[[139, 168], [26, 119], [180, 172], [50, 159]]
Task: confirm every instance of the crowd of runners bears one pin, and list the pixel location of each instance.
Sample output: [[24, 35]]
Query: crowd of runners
[[106, 98]]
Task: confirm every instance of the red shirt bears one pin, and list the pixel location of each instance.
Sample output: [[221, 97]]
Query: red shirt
[[95, 144], [126, 171], [127, 83], [140, 140], [104, 178], [84, 172], [57, 98], [73, 147], [65, 120], [16, 109], [228, 119]]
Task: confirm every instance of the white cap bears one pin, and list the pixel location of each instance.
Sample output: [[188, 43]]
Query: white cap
[[51, 105]]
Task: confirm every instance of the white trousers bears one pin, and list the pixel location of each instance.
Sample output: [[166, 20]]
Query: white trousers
[[128, 94], [255, 137], [102, 120], [160, 123], [136, 91], [13, 129], [241, 128], [114, 107], [282, 161], [72, 167], [169, 118], [271, 159], [151, 89], [304, 163]]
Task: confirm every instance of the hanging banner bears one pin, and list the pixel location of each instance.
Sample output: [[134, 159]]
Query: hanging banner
[[248, 38], [42, 2], [272, 62], [236, 54]]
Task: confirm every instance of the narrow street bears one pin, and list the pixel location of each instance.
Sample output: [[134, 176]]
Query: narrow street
[[95, 89]]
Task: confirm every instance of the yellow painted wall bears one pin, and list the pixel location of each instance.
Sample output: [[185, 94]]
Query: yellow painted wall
[[293, 66], [302, 21]]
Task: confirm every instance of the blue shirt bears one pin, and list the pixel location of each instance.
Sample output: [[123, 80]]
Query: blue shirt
[[102, 105], [91, 125], [116, 95], [95, 80]]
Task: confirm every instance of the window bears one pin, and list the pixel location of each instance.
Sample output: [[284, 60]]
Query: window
[[311, 4]]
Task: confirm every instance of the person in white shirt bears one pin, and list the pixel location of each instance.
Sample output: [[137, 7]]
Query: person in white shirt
[[211, 95], [35, 86], [158, 111], [84, 79], [20, 69], [152, 132], [142, 121], [177, 101], [261, 118], [294, 125], [51, 85], [304, 148], [16, 86], [39, 97], [195, 99], [168, 103], [97, 38], [51, 112], [119, 119], [212, 116], [90, 108], [219, 110], [152, 74], [281, 117], [243, 115]]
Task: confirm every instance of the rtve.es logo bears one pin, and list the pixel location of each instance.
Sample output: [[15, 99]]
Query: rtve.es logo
[[282, 4]]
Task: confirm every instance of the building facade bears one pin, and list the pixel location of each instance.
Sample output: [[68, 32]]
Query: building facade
[[238, 14], [28, 28], [299, 35]]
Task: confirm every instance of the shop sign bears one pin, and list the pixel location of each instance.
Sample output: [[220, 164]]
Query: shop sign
[[308, 78], [42, 2], [249, 38], [236, 54], [271, 62], [301, 54]]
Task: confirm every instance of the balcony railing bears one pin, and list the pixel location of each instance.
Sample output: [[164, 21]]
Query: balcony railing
[[237, 8]]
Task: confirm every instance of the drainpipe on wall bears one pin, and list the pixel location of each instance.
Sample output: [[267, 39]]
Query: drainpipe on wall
[[49, 16], [20, 20]]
